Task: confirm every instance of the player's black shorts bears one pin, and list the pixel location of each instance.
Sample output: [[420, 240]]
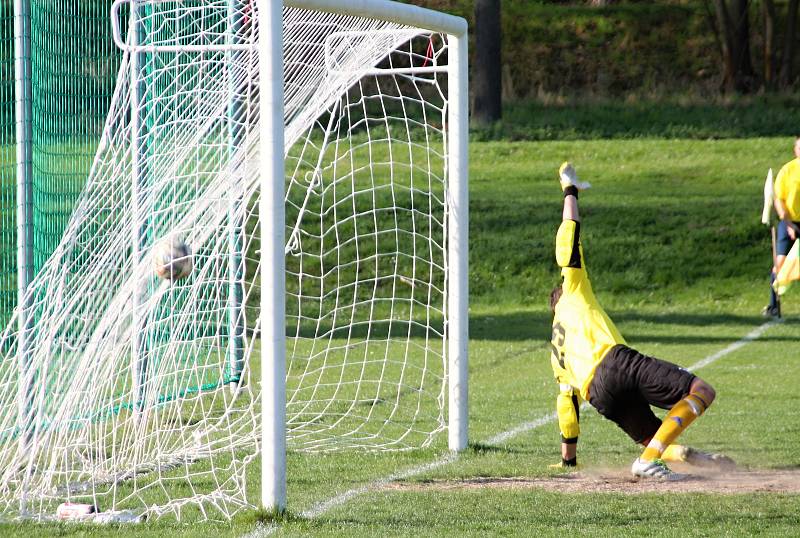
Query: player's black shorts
[[625, 385], [783, 243]]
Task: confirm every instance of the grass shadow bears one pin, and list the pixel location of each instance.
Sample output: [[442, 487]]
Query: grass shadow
[[485, 449], [535, 325]]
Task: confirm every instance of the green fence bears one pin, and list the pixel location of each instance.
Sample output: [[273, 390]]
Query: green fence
[[74, 66], [8, 242]]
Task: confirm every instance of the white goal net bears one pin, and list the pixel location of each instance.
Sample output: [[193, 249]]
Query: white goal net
[[127, 391]]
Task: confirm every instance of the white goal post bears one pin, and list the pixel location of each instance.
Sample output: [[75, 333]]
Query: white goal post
[[274, 476], [310, 157]]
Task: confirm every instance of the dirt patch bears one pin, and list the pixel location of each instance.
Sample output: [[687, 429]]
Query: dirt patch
[[620, 481]]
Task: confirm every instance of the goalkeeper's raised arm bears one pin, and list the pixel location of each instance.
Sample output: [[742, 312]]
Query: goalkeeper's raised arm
[[570, 185], [569, 252]]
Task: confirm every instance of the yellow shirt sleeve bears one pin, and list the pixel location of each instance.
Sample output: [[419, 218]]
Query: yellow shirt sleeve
[[569, 254], [567, 404]]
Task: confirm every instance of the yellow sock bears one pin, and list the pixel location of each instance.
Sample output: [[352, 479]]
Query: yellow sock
[[678, 419]]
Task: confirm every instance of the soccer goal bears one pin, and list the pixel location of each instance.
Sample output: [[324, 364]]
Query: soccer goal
[[310, 159]]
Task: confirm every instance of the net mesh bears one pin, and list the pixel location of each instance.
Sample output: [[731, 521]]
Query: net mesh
[[134, 392]]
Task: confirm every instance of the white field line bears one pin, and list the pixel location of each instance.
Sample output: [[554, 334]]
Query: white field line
[[746, 339], [522, 428], [261, 530], [322, 507], [338, 500]]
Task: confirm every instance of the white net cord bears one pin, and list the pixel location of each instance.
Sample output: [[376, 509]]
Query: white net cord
[[132, 392]]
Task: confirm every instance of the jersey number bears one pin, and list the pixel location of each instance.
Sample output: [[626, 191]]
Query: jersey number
[[557, 344]]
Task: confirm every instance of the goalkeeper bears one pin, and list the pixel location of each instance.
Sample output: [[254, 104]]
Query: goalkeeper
[[591, 362]]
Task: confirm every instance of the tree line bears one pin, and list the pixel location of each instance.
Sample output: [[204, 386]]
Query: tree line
[[733, 35], [755, 40]]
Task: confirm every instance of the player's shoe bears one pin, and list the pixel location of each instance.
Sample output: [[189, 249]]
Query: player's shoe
[[708, 459], [771, 311], [655, 469], [561, 467], [569, 177]]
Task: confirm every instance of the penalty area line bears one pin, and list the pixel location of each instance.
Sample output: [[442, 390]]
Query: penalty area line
[[746, 339], [322, 507], [342, 498]]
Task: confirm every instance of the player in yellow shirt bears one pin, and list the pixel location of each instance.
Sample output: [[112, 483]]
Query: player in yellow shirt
[[591, 362], [787, 205]]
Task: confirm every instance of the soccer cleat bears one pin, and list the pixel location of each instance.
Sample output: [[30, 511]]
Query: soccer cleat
[[655, 469], [708, 459], [569, 177], [771, 311]]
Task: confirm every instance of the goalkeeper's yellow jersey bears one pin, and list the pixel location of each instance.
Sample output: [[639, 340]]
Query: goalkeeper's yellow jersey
[[582, 331], [787, 188]]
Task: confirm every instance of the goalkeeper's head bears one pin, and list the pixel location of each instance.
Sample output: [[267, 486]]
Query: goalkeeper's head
[[555, 295], [797, 147]]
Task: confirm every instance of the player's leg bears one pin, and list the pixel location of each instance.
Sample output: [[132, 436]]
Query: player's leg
[[615, 395], [773, 308], [668, 433], [782, 246], [633, 415], [679, 417], [668, 386], [664, 385]]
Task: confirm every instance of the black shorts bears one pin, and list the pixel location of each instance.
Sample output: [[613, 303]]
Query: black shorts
[[625, 385], [783, 243]]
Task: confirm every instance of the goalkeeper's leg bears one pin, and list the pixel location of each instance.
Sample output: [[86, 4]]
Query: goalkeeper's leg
[[625, 385], [682, 414]]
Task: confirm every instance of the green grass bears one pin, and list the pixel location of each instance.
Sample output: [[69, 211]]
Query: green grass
[[668, 219], [677, 255]]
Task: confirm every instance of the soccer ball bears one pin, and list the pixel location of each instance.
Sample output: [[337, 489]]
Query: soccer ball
[[172, 259]]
